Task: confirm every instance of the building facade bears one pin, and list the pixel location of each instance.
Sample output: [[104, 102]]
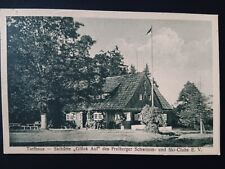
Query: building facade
[[120, 104]]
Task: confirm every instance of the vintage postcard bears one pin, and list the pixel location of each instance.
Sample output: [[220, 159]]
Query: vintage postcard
[[103, 82]]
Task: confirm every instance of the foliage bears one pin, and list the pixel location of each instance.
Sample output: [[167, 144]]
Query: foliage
[[70, 124], [192, 106], [146, 70], [112, 125], [110, 63], [120, 119], [151, 119], [48, 63], [132, 69]]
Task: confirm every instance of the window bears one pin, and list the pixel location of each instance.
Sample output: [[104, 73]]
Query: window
[[117, 116], [101, 116], [69, 117], [75, 116], [95, 116], [138, 117], [140, 97], [98, 116], [164, 116], [98, 97], [105, 95], [88, 116], [128, 116]]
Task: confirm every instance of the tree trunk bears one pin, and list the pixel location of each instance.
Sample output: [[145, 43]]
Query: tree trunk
[[43, 121]]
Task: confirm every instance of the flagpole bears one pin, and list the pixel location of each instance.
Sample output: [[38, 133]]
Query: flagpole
[[152, 79], [200, 113], [137, 60]]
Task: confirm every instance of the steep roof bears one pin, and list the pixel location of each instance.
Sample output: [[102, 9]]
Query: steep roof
[[165, 105], [112, 83], [122, 89]]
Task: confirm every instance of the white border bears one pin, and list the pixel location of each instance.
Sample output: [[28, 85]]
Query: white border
[[215, 150]]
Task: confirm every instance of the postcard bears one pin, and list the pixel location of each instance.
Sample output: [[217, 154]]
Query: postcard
[[109, 82]]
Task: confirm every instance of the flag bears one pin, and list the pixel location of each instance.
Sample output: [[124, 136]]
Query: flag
[[149, 31]]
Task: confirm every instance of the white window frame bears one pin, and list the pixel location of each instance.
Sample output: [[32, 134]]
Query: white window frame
[[98, 116], [138, 117], [70, 117], [150, 97], [164, 116], [98, 97], [128, 116], [140, 97]]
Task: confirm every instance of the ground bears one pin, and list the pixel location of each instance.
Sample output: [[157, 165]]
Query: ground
[[106, 138]]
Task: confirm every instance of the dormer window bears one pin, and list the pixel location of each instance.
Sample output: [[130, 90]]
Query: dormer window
[[98, 97], [105, 95], [102, 96]]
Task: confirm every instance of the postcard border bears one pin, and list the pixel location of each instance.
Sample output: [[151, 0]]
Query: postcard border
[[109, 14]]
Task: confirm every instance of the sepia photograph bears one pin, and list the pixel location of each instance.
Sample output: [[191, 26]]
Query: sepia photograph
[[97, 82]]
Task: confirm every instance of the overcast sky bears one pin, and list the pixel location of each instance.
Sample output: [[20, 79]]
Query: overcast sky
[[182, 50]]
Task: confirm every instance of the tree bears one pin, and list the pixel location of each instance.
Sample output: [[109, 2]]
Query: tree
[[111, 63], [48, 63], [151, 119], [208, 122], [192, 106], [146, 70], [132, 69]]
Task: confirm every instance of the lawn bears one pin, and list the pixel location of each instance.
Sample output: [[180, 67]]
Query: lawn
[[107, 138]]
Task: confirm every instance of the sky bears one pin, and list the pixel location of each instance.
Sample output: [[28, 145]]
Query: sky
[[182, 49]]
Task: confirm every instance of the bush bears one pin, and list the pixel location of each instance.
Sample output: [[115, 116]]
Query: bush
[[70, 124], [151, 119], [112, 125]]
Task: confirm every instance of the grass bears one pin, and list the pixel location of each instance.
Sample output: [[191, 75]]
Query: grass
[[171, 142], [107, 138]]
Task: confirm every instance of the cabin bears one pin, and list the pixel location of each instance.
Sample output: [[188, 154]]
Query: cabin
[[120, 104]]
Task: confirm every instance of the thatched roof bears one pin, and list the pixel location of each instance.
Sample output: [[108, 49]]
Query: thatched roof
[[165, 105], [112, 83], [122, 89]]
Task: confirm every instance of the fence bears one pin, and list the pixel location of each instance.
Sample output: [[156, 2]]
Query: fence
[[18, 126]]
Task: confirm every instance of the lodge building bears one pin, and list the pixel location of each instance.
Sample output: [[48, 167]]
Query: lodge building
[[120, 104]]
